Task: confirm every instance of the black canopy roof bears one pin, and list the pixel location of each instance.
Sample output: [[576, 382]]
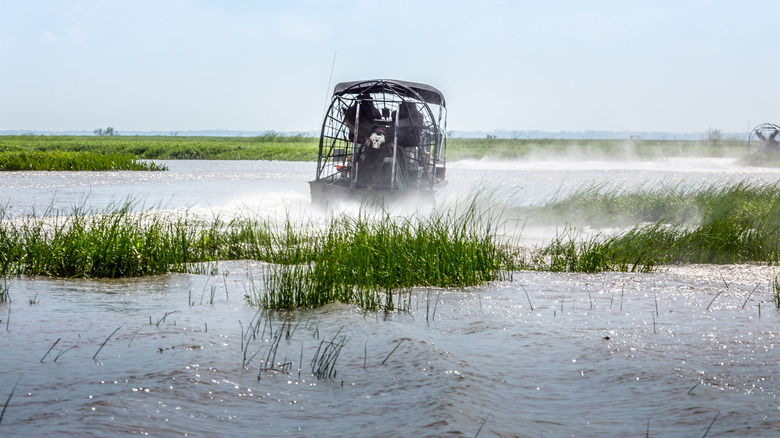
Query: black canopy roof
[[427, 92]]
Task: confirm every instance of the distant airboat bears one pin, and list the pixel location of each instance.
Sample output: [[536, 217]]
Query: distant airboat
[[768, 137], [381, 141]]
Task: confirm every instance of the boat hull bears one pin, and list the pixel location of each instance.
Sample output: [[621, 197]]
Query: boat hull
[[328, 196]]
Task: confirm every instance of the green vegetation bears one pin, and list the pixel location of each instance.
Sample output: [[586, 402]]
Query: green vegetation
[[265, 147], [568, 254], [476, 148], [363, 260], [91, 244], [4, 295], [360, 261], [776, 290], [302, 148], [65, 160], [374, 259], [598, 205], [739, 223]]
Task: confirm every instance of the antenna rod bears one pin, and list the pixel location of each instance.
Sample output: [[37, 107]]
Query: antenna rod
[[330, 78]]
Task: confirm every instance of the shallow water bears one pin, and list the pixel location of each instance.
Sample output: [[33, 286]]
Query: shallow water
[[664, 354]]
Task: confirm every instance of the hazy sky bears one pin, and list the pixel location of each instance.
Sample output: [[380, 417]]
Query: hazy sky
[[174, 65]]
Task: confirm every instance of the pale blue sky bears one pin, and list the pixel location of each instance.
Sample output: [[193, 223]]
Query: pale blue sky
[[173, 65]]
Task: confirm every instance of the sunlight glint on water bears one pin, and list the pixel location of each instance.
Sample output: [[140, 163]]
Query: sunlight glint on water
[[578, 355]]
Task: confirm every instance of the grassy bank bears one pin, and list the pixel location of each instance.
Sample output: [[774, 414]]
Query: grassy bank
[[302, 148], [266, 147], [66, 160]]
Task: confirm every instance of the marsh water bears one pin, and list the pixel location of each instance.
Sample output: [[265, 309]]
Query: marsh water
[[689, 350]]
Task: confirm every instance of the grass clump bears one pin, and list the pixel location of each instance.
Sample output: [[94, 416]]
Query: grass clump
[[568, 254], [74, 161], [597, 205], [738, 223], [111, 244], [122, 242], [362, 261]]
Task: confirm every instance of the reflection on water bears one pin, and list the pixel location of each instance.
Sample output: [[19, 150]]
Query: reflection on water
[[661, 354]]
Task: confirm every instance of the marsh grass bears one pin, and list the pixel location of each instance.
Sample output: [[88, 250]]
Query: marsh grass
[[50, 348], [105, 342], [323, 364], [121, 241], [736, 223], [5, 295], [372, 260], [375, 259], [612, 149], [570, 254], [269, 146], [393, 350], [73, 161], [601, 205], [739, 223], [272, 146], [99, 244]]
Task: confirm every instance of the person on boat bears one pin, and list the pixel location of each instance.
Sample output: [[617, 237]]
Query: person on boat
[[410, 122], [379, 159], [374, 142], [363, 121]]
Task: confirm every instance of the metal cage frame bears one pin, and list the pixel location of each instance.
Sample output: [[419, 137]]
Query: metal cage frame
[[411, 120], [768, 137]]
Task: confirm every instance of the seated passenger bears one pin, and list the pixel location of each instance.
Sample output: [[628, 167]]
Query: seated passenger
[[377, 163], [364, 121], [375, 145], [410, 123]]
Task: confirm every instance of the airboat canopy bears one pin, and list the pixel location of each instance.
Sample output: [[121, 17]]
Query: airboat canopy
[[428, 93]]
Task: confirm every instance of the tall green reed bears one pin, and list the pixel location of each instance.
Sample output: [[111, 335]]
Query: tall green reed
[[117, 242], [735, 223], [5, 295], [371, 260], [74, 161]]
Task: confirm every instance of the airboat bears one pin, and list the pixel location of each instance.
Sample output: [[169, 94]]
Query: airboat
[[767, 135], [382, 141]]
